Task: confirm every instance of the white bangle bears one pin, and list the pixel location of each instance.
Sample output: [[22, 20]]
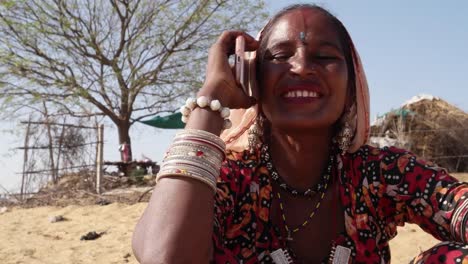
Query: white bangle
[[203, 102]]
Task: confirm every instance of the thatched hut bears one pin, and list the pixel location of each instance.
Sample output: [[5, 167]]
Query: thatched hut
[[429, 127]]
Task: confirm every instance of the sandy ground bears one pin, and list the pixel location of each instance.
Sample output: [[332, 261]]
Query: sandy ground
[[27, 236]]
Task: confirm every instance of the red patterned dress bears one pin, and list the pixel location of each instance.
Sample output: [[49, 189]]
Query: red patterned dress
[[380, 189]]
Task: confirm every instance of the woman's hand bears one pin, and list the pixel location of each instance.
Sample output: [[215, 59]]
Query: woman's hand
[[220, 82]]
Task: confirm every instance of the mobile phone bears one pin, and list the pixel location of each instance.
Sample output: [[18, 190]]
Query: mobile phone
[[241, 70]]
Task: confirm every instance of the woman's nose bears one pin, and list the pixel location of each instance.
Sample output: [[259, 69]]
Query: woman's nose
[[302, 65]]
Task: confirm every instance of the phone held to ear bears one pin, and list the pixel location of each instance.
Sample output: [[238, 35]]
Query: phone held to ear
[[242, 65]]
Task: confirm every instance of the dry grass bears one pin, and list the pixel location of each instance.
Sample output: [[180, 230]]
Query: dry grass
[[77, 189], [461, 176]]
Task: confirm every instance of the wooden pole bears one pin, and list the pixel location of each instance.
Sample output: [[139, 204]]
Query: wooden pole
[[458, 163], [51, 141], [25, 159], [99, 158], [60, 143]]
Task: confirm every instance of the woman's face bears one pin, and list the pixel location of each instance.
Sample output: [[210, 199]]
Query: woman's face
[[303, 74]]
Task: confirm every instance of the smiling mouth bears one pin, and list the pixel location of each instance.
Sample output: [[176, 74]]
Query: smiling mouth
[[301, 94]]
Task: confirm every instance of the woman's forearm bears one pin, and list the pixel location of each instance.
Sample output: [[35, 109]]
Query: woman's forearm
[[178, 222], [176, 227]]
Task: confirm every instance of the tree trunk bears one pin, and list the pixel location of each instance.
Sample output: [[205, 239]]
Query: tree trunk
[[124, 141]]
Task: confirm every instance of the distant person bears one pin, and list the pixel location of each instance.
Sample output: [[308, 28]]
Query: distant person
[[293, 179]]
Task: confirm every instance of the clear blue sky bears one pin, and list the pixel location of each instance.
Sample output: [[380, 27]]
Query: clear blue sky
[[407, 48]]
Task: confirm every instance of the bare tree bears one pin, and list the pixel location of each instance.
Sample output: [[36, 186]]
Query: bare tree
[[122, 59]]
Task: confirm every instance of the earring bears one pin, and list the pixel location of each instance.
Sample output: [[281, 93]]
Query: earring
[[343, 138], [346, 133], [254, 134]]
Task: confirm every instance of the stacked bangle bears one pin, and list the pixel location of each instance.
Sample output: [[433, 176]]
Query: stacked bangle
[[459, 222], [203, 102], [195, 154]]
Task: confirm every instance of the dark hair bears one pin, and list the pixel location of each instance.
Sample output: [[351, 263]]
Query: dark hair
[[343, 35]]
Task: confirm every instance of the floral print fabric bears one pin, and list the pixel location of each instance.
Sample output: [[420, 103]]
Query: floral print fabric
[[380, 189]]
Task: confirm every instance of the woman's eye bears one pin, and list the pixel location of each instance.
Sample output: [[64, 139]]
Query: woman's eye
[[280, 56]]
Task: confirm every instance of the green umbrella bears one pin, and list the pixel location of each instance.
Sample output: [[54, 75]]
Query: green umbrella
[[170, 121]]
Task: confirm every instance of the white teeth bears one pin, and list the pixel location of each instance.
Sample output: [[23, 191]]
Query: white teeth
[[299, 94]]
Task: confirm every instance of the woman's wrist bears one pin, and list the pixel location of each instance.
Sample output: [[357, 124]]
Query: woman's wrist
[[205, 119], [195, 154], [216, 94]]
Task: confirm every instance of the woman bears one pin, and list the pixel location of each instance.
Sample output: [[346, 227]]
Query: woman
[[307, 189]]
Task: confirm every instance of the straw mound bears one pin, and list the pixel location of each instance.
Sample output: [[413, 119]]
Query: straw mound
[[432, 129]]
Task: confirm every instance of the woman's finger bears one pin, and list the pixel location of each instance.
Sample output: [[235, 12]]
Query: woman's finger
[[226, 42], [251, 43]]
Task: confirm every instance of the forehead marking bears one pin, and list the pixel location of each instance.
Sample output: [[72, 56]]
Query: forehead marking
[[302, 36], [302, 33]]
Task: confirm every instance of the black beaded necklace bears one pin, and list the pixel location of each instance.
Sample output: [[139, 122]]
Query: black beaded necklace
[[321, 189], [310, 192]]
